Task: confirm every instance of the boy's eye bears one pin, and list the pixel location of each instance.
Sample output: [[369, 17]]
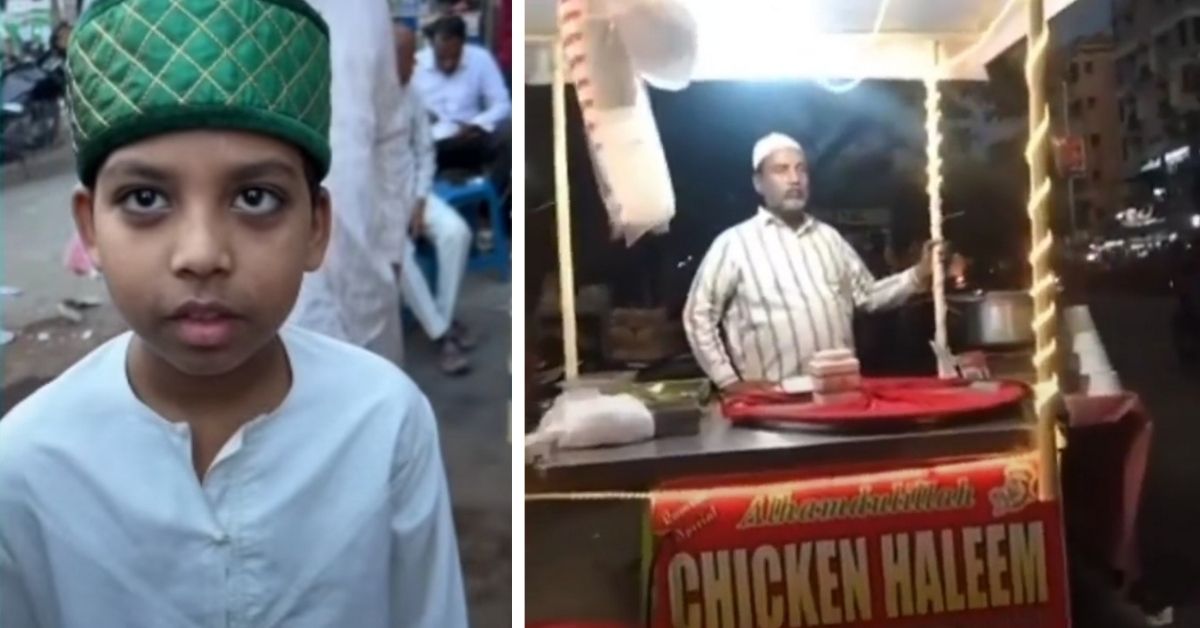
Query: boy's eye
[[258, 201], [143, 201]]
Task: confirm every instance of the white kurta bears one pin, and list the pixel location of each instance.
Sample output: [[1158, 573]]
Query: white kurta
[[331, 511], [355, 295], [444, 228]]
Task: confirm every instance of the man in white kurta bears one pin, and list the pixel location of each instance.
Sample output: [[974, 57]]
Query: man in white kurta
[[330, 511], [431, 219], [777, 288], [355, 295]]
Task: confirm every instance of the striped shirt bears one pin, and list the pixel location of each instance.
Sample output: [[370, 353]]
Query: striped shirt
[[780, 295]]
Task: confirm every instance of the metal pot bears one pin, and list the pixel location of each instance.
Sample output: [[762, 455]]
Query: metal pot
[[991, 319]]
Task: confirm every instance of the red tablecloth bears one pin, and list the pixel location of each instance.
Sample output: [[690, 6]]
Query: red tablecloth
[[884, 399]]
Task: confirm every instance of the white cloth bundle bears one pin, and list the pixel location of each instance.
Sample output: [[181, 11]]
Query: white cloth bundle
[[585, 418]]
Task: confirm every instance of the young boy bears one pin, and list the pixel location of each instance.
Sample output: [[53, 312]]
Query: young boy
[[210, 468]]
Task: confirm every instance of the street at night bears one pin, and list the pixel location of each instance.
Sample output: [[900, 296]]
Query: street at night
[[1137, 334]]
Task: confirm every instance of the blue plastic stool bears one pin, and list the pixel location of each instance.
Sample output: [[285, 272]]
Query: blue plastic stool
[[465, 197]]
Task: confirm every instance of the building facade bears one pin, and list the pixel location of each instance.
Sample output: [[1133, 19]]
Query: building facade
[[1084, 108], [1157, 64]]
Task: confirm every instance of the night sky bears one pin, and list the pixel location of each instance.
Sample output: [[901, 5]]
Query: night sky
[[1085, 17]]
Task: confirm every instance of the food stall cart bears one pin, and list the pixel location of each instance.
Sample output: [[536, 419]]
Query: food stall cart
[[764, 524]]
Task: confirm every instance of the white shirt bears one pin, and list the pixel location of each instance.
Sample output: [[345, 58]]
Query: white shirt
[[780, 295], [354, 295], [473, 94], [330, 511]]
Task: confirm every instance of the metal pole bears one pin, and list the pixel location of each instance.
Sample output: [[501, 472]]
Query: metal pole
[[1044, 289], [562, 214], [933, 166]]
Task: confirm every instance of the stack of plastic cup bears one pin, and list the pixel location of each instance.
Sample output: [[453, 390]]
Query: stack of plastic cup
[[1096, 372]]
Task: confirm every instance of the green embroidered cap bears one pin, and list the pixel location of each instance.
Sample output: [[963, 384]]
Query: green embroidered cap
[[138, 68]]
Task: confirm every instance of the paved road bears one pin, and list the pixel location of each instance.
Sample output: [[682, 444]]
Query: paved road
[[35, 223], [1137, 336]]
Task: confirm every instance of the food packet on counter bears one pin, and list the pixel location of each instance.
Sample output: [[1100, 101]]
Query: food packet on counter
[[584, 418]]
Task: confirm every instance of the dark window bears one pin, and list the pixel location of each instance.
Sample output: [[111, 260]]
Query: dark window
[[1095, 175], [1073, 73], [1162, 42], [1196, 29], [1095, 140], [1182, 31], [1091, 102], [1087, 67], [1075, 109], [1191, 78]]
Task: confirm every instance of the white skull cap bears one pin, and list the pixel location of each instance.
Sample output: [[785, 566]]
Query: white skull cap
[[771, 143]]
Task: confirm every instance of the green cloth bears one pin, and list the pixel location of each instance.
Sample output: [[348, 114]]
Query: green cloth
[[139, 68]]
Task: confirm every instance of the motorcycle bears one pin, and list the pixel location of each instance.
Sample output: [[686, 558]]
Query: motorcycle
[[31, 92]]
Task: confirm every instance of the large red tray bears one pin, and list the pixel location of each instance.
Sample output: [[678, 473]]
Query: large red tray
[[908, 399]]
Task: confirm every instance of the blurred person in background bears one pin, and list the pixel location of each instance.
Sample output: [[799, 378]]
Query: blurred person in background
[[464, 94], [434, 221], [354, 296]]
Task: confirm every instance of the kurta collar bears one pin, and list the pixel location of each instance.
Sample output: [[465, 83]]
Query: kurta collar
[[770, 219]]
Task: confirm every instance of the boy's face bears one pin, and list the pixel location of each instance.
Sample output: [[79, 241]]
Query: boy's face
[[203, 237]]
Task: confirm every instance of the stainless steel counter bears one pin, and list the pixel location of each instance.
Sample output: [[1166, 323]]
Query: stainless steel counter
[[721, 447]]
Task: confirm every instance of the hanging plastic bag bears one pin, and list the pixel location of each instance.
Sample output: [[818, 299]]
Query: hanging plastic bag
[[622, 135], [661, 37]]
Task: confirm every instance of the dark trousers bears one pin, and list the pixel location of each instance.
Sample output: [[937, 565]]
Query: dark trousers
[[484, 152], [466, 153]]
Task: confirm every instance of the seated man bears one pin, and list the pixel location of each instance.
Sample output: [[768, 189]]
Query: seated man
[[464, 93], [431, 218]]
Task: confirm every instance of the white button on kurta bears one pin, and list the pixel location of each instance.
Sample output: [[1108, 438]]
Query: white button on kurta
[[331, 511]]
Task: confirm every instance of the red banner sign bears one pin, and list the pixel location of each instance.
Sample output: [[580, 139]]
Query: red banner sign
[[943, 547], [1071, 155]]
